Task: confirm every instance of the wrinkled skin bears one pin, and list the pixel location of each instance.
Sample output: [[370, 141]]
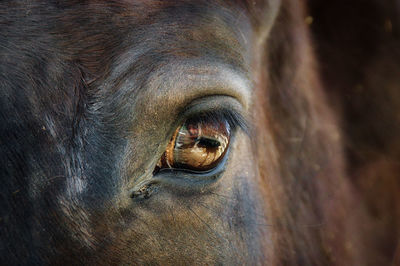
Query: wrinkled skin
[[91, 92]]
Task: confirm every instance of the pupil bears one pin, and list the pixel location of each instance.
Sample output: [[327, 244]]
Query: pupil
[[208, 143]]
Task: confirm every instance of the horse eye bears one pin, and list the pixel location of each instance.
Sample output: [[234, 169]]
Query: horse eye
[[197, 145]]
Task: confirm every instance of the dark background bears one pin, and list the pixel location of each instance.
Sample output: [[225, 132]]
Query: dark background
[[358, 48]]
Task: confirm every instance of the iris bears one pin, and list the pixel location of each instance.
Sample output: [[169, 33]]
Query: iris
[[198, 145]]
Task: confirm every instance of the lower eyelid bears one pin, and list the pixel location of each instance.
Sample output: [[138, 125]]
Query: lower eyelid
[[178, 180], [182, 177]]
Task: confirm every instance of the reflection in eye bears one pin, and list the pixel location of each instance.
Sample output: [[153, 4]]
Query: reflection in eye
[[197, 145]]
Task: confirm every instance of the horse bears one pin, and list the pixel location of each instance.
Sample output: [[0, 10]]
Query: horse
[[171, 132]]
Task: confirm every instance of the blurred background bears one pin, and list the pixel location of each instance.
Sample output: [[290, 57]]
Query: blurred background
[[357, 43]]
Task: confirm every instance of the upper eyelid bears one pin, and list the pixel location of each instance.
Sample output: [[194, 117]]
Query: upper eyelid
[[233, 117], [218, 106]]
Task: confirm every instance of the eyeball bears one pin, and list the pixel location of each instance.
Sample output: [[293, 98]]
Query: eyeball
[[197, 145]]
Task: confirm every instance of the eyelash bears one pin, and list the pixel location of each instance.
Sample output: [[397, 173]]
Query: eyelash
[[234, 119]]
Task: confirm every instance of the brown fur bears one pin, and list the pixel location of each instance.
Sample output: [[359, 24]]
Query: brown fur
[[356, 199], [307, 190], [92, 90]]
